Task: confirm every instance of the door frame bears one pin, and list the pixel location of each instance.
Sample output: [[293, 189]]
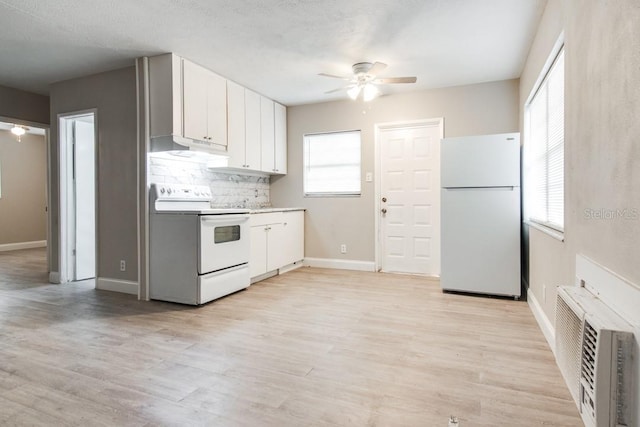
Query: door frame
[[378, 129], [64, 215]]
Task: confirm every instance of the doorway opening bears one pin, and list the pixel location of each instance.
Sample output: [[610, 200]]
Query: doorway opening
[[408, 197], [77, 144], [24, 229]]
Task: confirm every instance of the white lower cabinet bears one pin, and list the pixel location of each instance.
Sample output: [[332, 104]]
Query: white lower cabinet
[[277, 240], [258, 258], [292, 237]]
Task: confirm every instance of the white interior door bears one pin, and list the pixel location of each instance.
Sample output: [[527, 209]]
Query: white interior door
[[410, 199], [85, 198]]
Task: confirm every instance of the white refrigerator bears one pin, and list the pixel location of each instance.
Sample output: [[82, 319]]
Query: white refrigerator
[[480, 180]]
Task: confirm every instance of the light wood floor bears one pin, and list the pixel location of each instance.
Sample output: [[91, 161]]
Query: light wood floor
[[311, 347]]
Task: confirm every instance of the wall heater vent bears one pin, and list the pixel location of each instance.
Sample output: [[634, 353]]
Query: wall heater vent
[[569, 323], [594, 350]]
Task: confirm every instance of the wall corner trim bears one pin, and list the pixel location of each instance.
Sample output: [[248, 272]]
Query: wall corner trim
[[23, 245], [543, 321], [340, 264], [114, 285]]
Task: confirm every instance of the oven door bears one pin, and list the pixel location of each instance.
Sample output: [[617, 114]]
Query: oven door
[[224, 242]]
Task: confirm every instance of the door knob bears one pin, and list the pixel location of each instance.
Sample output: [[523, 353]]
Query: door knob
[[384, 211], [384, 199]]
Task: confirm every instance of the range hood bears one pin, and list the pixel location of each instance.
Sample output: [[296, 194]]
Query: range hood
[[176, 142]]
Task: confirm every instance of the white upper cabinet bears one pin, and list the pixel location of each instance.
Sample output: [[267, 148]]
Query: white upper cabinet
[[280, 132], [244, 127], [194, 96], [268, 136], [252, 130], [190, 106], [236, 125], [204, 97]]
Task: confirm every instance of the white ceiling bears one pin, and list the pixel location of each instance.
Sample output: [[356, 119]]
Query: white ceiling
[[275, 47]]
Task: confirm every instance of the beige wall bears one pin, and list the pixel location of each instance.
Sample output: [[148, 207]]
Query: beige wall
[[602, 152], [467, 110], [113, 94], [26, 107], [23, 167]]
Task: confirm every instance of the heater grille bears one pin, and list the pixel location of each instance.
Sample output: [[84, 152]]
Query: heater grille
[[595, 354], [589, 356], [568, 344]]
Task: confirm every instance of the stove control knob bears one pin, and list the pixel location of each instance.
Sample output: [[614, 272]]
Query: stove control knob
[[161, 190], [168, 191]]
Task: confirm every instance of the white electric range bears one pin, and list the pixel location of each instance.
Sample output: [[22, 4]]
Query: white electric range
[[196, 253]]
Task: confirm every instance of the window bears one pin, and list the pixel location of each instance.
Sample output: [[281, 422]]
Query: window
[[332, 164], [544, 149]]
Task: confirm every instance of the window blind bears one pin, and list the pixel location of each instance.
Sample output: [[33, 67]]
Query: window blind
[[545, 149], [332, 163]]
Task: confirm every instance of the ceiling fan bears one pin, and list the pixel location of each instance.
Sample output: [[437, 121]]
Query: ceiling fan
[[365, 80]]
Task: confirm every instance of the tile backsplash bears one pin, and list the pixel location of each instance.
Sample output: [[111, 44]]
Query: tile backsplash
[[228, 189]]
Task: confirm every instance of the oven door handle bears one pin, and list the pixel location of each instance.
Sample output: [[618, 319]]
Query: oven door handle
[[224, 219]]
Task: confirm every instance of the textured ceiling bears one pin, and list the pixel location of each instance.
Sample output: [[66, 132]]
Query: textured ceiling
[[275, 47]]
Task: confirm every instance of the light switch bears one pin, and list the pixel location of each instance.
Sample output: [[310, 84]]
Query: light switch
[[368, 177]]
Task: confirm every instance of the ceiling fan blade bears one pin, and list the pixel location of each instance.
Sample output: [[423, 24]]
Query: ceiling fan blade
[[340, 88], [391, 80], [376, 68], [334, 76]]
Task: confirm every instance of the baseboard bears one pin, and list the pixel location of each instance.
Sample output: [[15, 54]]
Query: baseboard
[[264, 276], [54, 277], [291, 267], [23, 245], [114, 285], [340, 264], [543, 321]]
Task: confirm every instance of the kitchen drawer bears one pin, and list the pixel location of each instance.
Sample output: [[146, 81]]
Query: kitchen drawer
[[224, 282], [266, 218]]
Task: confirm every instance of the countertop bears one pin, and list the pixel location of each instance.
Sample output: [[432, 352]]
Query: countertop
[[267, 210]]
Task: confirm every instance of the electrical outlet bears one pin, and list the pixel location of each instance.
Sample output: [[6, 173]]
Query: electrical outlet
[[343, 248], [368, 177], [123, 265], [544, 293]]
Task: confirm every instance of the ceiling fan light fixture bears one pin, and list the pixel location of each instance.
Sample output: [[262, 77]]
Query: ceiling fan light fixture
[[370, 92], [354, 92], [364, 79], [18, 130]]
